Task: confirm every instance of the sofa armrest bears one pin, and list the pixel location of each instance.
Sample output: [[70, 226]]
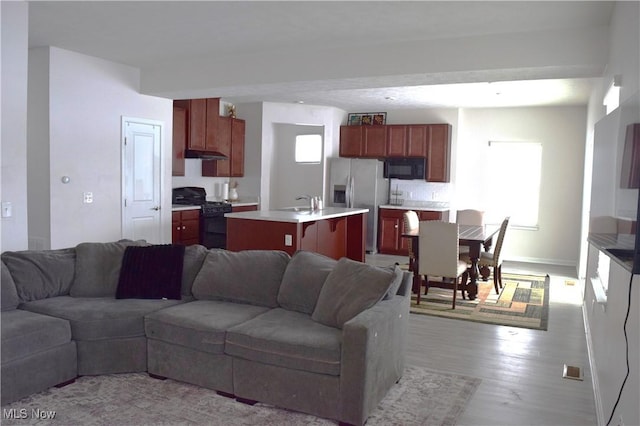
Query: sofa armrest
[[373, 355]]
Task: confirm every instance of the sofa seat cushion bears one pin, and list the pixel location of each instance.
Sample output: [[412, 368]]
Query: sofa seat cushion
[[26, 333], [100, 317], [200, 325], [287, 339]]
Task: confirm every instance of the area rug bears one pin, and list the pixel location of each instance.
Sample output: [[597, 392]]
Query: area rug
[[421, 397], [522, 302]]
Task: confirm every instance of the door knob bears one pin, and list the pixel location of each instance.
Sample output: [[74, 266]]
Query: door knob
[[156, 208]]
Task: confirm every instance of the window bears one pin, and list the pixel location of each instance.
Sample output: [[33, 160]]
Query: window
[[611, 99], [514, 183], [308, 149]]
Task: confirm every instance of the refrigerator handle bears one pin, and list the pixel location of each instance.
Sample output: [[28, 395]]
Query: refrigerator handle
[[347, 193]]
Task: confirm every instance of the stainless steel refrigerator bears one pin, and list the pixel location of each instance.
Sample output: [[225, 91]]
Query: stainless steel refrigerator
[[359, 183]]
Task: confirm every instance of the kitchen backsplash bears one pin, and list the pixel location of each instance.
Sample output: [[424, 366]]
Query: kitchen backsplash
[[417, 190], [193, 177]]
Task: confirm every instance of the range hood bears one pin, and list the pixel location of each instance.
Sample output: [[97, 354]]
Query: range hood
[[205, 155]]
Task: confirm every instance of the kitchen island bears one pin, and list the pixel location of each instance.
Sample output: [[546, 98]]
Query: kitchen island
[[333, 231]]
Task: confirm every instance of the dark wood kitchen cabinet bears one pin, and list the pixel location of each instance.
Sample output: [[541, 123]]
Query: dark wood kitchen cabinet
[[351, 141], [391, 225], [185, 227], [363, 141], [201, 122], [249, 208], [179, 140], [407, 140], [230, 137], [430, 141], [438, 149]]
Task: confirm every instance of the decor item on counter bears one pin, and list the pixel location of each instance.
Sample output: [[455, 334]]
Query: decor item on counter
[[231, 111], [394, 200], [422, 395], [366, 118], [225, 191], [523, 302], [233, 190]]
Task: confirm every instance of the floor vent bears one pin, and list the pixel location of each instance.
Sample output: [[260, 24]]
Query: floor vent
[[571, 372]]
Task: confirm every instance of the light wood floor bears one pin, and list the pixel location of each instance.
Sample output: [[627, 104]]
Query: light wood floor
[[521, 369]]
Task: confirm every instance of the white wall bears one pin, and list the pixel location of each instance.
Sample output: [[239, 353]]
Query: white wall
[[288, 178], [193, 177], [561, 130], [607, 348], [260, 142], [87, 98], [14, 16]]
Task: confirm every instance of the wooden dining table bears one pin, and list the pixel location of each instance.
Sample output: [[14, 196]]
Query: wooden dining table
[[473, 236]]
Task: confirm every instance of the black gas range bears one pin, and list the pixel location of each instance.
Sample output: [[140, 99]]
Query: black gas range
[[213, 224]]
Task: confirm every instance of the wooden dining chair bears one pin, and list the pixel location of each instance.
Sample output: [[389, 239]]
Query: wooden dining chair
[[493, 258], [438, 245], [410, 223], [470, 217]]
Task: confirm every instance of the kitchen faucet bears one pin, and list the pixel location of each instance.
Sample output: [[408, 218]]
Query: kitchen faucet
[[314, 202], [307, 197]]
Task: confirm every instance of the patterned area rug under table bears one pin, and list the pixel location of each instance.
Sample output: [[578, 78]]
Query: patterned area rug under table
[[523, 302], [421, 397]]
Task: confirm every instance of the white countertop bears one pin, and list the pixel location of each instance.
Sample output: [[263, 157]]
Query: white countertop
[[241, 203], [434, 206], [181, 207], [285, 215]]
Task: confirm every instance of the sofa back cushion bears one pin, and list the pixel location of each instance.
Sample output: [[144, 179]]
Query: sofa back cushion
[[251, 276], [39, 274], [98, 268], [194, 256], [303, 280], [9, 295], [351, 288]]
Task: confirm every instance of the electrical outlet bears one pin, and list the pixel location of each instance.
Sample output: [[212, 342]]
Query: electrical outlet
[[288, 240], [88, 197], [620, 421]]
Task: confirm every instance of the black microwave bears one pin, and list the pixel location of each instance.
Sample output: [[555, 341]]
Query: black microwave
[[405, 168]]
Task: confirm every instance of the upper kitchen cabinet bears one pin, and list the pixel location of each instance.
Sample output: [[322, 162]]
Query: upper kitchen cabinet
[[438, 148], [351, 141], [407, 140], [230, 142], [201, 123], [363, 141], [179, 140]]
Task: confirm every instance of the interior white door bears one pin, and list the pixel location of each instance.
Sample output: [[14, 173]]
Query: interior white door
[[142, 179]]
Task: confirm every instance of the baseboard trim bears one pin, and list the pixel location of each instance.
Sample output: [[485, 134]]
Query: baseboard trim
[[592, 366], [555, 262]]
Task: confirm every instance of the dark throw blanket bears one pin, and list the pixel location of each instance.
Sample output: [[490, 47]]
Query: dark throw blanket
[[151, 272]]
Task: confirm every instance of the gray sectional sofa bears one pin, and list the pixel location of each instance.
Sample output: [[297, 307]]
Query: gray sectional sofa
[[305, 332]]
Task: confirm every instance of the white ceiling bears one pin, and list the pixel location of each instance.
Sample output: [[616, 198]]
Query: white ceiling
[[145, 34]]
